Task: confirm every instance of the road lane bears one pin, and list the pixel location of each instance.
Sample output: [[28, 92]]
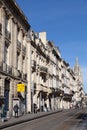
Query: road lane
[[81, 125], [51, 122]]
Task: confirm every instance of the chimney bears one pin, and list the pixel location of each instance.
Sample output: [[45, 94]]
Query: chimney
[[42, 36]]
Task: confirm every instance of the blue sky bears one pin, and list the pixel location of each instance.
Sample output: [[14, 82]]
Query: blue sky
[[65, 22]]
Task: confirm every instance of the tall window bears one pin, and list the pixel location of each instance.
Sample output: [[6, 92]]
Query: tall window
[[23, 63], [6, 54], [18, 54], [6, 22]]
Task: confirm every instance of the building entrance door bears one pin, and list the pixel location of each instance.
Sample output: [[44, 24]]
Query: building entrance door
[[6, 95]]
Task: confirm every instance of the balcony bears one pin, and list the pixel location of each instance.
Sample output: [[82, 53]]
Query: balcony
[[24, 50], [7, 34], [43, 69], [5, 68], [0, 28]]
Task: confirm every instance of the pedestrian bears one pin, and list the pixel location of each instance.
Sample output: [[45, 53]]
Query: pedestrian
[[35, 108], [3, 113], [45, 107], [16, 107]]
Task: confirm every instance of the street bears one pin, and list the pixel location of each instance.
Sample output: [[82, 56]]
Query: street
[[67, 120]]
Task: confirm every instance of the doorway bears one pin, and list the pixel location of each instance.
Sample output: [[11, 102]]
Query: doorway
[[6, 94]]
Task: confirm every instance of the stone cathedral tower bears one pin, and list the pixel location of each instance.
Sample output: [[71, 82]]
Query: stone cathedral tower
[[77, 70], [79, 92]]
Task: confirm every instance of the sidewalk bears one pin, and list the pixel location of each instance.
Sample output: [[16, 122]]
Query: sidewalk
[[14, 121]]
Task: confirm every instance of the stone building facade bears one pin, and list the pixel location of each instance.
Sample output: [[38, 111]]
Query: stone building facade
[[52, 80], [13, 52], [28, 58]]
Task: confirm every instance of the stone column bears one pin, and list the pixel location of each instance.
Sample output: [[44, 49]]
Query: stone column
[[15, 35], [3, 35], [37, 88], [21, 40], [15, 88], [11, 49], [52, 102], [48, 103], [29, 76], [25, 61], [10, 97]]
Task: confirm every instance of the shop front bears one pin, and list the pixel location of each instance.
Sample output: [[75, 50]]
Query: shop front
[[21, 92]]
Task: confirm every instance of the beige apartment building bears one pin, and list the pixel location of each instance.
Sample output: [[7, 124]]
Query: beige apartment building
[[44, 72], [32, 71], [52, 80], [13, 53]]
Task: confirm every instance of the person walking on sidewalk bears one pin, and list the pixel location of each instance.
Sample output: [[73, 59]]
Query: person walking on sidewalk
[[16, 107]]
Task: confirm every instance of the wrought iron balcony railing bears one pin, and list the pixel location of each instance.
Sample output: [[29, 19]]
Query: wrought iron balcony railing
[[43, 69], [5, 68]]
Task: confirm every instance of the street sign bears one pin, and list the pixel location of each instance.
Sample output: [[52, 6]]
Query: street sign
[[20, 87]]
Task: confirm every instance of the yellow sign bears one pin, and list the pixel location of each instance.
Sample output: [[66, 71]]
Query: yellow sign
[[20, 88]]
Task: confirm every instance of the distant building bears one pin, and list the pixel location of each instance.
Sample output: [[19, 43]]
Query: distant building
[[79, 91]]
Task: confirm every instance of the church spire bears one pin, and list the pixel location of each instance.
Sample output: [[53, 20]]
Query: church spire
[[77, 63], [77, 69]]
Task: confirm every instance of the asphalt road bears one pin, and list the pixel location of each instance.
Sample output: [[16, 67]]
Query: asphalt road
[[64, 120]]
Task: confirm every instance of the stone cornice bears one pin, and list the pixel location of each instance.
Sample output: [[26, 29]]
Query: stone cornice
[[16, 12]]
